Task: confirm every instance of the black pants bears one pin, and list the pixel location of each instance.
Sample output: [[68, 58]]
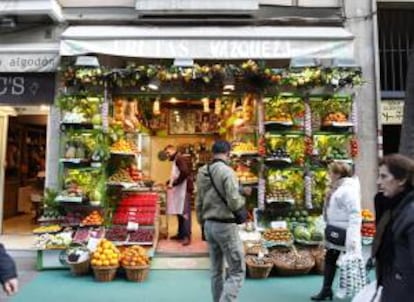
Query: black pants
[[330, 267], [184, 221]]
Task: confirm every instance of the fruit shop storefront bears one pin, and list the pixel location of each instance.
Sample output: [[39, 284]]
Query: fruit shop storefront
[[284, 100]]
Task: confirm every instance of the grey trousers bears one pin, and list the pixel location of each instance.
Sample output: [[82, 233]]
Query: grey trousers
[[224, 244]]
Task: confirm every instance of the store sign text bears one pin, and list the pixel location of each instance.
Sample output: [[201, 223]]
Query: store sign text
[[11, 85], [28, 62], [27, 88], [392, 112]]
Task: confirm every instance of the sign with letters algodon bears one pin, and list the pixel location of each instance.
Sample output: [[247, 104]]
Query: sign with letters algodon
[[27, 88]]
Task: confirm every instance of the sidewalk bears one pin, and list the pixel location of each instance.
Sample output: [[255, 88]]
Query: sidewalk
[[162, 286]]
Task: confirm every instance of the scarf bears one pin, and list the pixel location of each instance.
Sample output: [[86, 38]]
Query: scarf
[[332, 188]]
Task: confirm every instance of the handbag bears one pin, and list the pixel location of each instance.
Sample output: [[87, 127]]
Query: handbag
[[240, 215], [335, 235]]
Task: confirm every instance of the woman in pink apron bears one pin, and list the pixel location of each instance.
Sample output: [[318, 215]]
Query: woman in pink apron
[[180, 187]]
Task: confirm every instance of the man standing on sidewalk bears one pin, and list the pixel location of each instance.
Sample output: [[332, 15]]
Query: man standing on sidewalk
[[8, 273], [220, 227], [180, 188]]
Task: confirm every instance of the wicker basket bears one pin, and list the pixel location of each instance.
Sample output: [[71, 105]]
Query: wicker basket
[[104, 273], [137, 273], [258, 271], [319, 254], [79, 269], [289, 268]]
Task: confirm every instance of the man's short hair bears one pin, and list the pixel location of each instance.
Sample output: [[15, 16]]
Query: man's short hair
[[221, 146]]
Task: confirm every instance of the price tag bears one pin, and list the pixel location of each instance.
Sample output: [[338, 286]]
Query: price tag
[[132, 226], [278, 224], [93, 243]]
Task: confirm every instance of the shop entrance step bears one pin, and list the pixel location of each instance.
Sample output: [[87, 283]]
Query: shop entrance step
[[178, 263]]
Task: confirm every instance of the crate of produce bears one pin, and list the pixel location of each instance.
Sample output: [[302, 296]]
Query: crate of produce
[[259, 268]]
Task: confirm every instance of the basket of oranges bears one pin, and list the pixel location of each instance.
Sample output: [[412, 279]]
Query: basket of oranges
[[105, 261], [135, 261]]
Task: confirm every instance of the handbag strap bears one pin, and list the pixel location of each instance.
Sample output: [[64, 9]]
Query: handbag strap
[[214, 186]]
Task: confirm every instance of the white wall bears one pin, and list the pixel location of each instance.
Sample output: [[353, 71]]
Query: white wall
[[97, 3], [307, 3]]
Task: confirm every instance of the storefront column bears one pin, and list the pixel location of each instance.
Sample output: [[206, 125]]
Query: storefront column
[[52, 147], [367, 96]]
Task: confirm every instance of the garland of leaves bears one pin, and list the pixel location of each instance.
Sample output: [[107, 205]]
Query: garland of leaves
[[250, 74]]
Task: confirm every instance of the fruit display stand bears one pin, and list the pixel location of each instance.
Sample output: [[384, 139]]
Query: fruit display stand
[[368, 227], [283, 136]]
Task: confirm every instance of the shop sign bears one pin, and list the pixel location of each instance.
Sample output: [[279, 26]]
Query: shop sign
[[209, 49], [392, 112], [27, 88], [28, 62]]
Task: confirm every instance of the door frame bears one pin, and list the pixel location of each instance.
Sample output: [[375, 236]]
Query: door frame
[[4, 129]]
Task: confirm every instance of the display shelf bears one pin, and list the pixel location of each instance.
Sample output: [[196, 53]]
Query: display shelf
[[75, 199], [244, 153], [309, 243], [124, 185], [76, 161], [272, 200], [78, 126], [332, 133], [282, 160], [285, 133], [124, 153], [279, 123]]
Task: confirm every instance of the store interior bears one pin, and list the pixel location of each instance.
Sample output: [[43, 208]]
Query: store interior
[[24, 168]]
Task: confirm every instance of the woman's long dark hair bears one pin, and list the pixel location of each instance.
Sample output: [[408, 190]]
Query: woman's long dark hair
[[400, 166]]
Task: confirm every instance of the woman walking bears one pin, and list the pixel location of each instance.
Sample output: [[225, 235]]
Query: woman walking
[[393, 247], [342, 214]]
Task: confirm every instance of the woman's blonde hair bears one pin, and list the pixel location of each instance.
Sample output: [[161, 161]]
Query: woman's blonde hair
[[341, 168]]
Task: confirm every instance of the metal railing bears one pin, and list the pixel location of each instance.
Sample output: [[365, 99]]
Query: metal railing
[[396, 39]]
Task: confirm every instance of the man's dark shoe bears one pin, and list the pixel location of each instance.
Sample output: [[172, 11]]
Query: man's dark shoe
[[176, 237], [186, 241]]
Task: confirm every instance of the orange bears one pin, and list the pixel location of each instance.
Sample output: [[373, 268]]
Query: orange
[[105, 263], [113, 262], [98, 263]]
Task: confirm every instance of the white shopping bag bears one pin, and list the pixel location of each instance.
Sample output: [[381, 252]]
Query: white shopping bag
[[369, 293]]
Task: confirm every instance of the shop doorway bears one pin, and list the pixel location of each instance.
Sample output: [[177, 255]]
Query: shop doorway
[[391, 135], [24, 168]]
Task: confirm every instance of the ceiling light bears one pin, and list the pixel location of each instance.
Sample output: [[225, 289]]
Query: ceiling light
[[183, 62], [228, 83], [154, 84]]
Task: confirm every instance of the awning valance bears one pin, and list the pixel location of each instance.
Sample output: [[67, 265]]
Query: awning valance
[[235, 42], [29, 57]]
